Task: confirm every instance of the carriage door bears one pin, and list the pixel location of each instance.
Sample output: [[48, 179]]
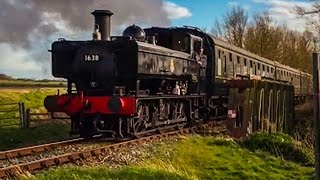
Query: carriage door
[[219, 64], [254, 68]]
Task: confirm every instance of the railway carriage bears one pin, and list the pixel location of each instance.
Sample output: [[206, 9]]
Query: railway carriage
[[156, 79]]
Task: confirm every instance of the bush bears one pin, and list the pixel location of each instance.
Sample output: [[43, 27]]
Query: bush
[[280, 145]]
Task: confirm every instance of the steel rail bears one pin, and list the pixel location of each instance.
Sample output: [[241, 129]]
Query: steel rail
[[31, 150]]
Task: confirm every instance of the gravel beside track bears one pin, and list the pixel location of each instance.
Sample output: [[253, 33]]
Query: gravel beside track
[[34, 153]]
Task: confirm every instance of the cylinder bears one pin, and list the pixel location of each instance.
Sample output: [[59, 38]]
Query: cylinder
[[102, 18]]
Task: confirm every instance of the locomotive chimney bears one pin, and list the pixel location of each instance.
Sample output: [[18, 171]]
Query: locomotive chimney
[[102, 22]]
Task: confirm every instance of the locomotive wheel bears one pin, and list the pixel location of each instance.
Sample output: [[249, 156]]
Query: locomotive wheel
[[140, 121], [87, 131], [181, 111], [180, 126]]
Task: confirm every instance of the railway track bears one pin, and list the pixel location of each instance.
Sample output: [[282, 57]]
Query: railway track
[[38, 149], [32, 153], [14, 170], [9, 154]]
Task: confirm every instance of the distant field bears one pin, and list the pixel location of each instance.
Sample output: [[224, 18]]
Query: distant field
[[29, 83], [33, 98]]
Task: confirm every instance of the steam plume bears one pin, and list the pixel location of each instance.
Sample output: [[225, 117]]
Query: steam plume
[[28, 23]]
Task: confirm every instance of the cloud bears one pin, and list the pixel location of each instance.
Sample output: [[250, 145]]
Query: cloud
[[282, 12], [28, 26], [175, 11], [233, 3], [15, 59], [236, 3]]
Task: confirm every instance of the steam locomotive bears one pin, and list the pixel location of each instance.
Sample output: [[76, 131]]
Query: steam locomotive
[[147, 80]]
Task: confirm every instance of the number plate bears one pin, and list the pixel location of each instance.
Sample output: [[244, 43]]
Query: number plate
[[91, 57]]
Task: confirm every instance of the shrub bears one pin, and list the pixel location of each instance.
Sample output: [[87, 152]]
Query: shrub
[[280, 145]]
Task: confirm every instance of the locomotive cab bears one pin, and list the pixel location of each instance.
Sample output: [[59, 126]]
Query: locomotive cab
[[179, 41]]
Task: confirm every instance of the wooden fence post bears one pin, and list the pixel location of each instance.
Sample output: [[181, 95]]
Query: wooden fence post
[[27, 115], [21, 115], [316, 111], [23, 107], [23, 118]]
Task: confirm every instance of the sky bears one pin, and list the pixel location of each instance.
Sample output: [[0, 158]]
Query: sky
[[32, 60]]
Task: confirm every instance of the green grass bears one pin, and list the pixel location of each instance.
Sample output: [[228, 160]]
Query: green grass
[[194, 158], [33, 98], [280, 145], [12, 137]]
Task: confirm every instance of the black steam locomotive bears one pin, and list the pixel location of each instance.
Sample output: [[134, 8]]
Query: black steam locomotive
[[144, 81]]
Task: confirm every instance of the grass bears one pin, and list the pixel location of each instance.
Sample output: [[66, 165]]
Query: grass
[[33, 99], [194, 158], [280, 145], [12, 136]]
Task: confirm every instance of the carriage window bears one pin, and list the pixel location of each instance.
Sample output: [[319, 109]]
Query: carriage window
[[258, 66], [245, 62], [230, 57], [197, 46], [263, 68], [238, 59], [271, 70], [267, 68], [251, 64]]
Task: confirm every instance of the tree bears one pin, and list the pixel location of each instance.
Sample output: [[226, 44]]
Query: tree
[[233, 27], [5, 77], [313, 23], [315, 9], [262, 38], [305, 48]]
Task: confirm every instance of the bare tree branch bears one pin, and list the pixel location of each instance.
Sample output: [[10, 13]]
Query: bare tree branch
[[233, 27]]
